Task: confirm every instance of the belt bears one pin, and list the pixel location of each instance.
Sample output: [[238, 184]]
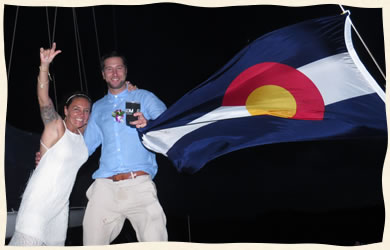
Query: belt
[[125, 176]]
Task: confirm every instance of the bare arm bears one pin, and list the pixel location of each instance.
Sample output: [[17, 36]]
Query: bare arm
[[48, 113]]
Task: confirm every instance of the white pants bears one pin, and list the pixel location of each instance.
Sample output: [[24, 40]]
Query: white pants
[[110, 203]]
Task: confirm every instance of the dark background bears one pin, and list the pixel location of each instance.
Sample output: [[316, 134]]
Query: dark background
[[326, 192]]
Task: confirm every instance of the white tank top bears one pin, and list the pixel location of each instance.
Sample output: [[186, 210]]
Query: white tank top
[[48, 190]]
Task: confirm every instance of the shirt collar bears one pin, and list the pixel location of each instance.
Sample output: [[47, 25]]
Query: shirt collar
[[112, 97]]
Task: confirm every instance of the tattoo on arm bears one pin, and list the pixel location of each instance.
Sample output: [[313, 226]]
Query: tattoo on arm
[[48, 113]]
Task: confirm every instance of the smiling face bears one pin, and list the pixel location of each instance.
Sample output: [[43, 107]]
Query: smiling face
[[114, 73], [77, 113]]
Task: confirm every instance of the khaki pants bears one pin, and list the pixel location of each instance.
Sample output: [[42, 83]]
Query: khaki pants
[[110, 203]]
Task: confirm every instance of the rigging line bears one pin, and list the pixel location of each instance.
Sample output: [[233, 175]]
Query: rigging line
[[52, 76], [81, 56], [55, 24], [48, 27], [77, 47], [189, 228], [97, 39], [96, 33], [13, 42], [55, 91], [365, 46]]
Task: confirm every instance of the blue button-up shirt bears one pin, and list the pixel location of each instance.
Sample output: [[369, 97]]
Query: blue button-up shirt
[[122, 150]]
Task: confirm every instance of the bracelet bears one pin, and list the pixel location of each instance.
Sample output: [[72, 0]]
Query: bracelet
[[40, 69], [48, 73], [42, 84]]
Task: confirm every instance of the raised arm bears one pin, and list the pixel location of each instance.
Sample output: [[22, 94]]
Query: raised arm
[[48, 112]]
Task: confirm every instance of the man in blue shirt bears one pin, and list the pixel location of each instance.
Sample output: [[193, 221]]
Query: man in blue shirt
[[123, 186]]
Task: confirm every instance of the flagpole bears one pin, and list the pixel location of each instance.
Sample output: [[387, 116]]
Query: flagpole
[[364, 44]]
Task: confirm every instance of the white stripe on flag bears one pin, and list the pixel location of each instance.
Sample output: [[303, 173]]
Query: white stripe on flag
[[162, 140], [337, 78], [223, 112]]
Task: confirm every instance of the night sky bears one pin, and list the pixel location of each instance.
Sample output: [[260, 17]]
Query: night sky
[[331, 189], [171, 48]]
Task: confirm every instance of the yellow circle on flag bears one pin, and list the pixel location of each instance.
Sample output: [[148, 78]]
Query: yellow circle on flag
[[271, 100]]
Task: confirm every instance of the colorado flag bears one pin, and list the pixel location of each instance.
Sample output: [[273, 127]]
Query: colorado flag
[[302, 82]]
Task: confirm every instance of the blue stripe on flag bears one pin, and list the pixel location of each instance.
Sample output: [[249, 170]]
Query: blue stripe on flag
[[195, 149], [198, 128], [306, 39]]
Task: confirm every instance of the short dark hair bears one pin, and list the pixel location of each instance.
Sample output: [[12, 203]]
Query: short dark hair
[[112, 54]]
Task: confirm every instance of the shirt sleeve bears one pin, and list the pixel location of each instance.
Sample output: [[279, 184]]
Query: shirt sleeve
[[92, 134], [154, 107]]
